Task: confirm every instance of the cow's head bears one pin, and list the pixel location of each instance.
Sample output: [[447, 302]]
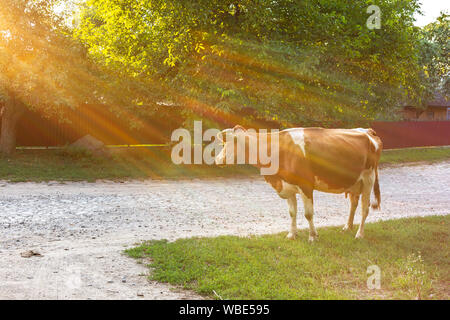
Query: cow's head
[[236, 143]]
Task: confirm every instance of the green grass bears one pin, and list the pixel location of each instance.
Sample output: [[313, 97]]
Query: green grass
[[412, 254], [415, 154], [140, 163], [61, 165]]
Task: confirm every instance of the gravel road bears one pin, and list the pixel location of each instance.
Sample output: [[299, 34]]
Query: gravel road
[[81, 228]]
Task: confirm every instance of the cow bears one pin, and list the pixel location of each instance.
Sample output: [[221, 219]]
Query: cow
[[327, 160]]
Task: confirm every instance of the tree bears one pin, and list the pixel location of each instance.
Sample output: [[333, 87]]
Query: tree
[[435, 55], [43, 68], [329, 65], [38, 64]]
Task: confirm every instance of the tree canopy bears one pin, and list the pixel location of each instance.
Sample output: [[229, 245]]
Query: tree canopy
[[42, 67], [435, 55], [288, 60], [311, 62]]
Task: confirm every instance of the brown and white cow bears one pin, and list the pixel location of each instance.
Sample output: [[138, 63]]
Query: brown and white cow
[[327, 160]]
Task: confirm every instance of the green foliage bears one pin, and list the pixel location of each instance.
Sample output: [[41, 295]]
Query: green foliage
[[44, 68], [40, 64], [435, 55], [313, 60], [335, 267]]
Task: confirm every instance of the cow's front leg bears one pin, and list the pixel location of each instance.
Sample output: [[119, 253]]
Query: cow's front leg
[[309, 215], [292, 202]]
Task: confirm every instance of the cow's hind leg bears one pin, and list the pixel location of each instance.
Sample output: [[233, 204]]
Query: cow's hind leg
[[354, 199], [309, 215], [368, 182], [292, 202]]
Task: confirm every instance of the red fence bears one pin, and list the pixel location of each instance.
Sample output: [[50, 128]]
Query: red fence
[[35, 130], [403, 134], [98, 121]]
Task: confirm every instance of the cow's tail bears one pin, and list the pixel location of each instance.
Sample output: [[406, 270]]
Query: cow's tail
[[376, 191]]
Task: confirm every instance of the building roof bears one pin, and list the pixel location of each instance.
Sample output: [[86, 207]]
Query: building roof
[[439, 101]]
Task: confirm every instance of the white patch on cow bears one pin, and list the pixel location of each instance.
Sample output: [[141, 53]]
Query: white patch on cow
[[375, 144], [297, 135], [356, 187], [361, 130], [364, 174], [287, 190]]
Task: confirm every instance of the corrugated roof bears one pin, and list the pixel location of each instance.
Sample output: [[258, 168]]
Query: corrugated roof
[[439, 101]]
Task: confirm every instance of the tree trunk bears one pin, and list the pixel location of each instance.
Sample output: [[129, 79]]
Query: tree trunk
[[11, 113]]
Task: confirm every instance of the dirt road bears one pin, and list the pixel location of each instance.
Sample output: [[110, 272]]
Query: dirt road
[[81, 228]]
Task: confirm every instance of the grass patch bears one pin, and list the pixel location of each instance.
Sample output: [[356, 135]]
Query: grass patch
[[74, 165], [415, 154], [69, 164], [412, 254]]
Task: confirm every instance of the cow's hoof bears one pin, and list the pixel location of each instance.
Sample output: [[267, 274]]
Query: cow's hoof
[[313, 238], [291, 236], [346, 228], [359, 236]]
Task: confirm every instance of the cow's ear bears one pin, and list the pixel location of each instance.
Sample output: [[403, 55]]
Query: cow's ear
[[239, 128], [222, 135]]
